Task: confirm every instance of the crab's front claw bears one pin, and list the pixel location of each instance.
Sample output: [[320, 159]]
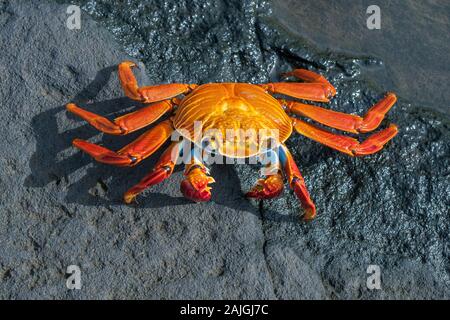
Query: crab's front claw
[[268, 188], [195, 186]]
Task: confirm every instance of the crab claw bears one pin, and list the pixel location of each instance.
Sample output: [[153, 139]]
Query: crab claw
[[195, 186], [268, 188]]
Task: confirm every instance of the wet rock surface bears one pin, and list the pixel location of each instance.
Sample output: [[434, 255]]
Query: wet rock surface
[[59, 208]]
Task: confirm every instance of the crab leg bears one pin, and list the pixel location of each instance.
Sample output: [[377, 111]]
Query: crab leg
[[317, 89], [296, 182], [272, 185], [344, 121], [347, 145], [308, 91], [310, 76], [162, 170], [134, 152], [127, 123], [195, 185], [149, 93]]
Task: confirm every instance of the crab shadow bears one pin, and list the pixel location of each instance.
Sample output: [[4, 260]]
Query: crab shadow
[[78, 179]]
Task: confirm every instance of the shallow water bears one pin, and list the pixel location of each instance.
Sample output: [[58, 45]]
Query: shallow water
[[413, 42]]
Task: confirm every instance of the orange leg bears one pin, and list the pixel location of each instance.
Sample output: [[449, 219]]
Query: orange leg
[[125, 124], [297, 183], [310, 76], [149, 93], [272, 185], [307, 91], [162, 170], [347, 145], [344, 121], [134, 152]]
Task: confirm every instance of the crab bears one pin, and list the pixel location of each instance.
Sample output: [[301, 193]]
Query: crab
[[224, 106]]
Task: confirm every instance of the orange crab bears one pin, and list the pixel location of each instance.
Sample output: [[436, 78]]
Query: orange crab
[[224, 106]]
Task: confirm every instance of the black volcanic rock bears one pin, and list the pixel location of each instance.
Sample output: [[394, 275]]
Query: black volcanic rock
[[59, 207]]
